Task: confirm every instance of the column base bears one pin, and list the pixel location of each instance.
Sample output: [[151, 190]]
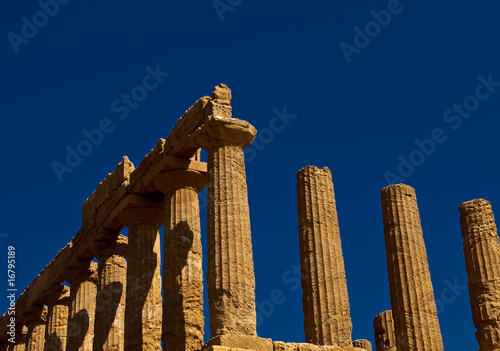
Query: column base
[[254, 343], [233, 342], [292, 346]]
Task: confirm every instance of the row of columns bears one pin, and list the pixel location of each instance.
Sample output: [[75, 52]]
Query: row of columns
[[118, 305], [86, 316], [413, 324]]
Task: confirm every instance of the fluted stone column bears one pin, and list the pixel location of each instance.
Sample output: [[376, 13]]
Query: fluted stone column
[[57, 324], [231, 280], [362, 344], [482, 258], [143, 307], [109, 323], [36, 320], [21, 337], [20, 345], [83, 279], [412, 298], [325, 300], [385, 337], [182, 269]]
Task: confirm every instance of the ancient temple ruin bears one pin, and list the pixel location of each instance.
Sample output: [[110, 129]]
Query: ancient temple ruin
[[116, 303]]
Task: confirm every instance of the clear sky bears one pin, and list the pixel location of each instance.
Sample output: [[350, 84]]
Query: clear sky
[[378, 91]]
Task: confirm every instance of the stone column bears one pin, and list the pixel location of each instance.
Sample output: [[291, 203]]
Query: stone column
[[57, 326], [385, 337], [36, 320], [143, 307], [21, 334], [325, 300], [412, 298], [182, 268], [110, 251], [83, 279], [482, 259], [362, 344], [231, 280]]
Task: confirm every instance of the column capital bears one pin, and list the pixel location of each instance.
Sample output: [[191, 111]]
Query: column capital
[[37, 314], [474, 206], [21, 332], [56, 294], [180, 178], [81, 271], [143, 210], [219, 131], [109, 244]]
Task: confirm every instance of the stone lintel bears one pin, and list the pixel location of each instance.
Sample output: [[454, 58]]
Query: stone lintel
[[119, 177], [179, 140], [239, 342]]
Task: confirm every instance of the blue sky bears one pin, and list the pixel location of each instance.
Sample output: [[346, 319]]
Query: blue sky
[[378, 91]]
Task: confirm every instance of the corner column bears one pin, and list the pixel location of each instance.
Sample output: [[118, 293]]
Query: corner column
[[110, 250], [231, 280], [325, 299], [57, 325], [385, 337], [143, 307], [482, 259], [412, 297], [83, 279], [182, 269]]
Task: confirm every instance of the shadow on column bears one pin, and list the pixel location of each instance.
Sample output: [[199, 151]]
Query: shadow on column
[[52, 343], [108, 300], [180, 240], [139, 295], [78, 327]]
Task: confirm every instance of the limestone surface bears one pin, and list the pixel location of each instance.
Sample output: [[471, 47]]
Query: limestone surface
[[385, 337], [182, 269], [412, 298], [231, 281], [143, 304], [482, 258], [57, 324], [325, 300], [109, 326]]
